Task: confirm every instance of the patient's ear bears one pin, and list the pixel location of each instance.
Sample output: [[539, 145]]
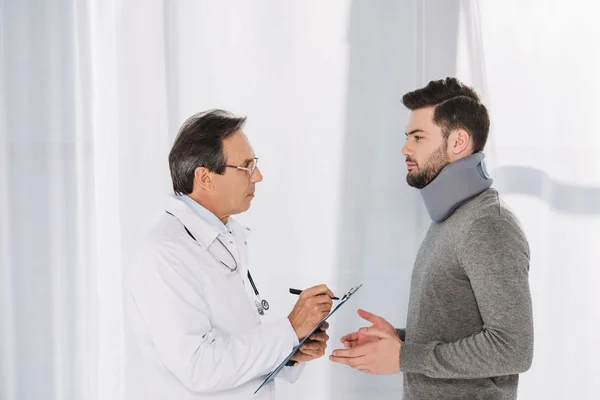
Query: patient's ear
[[459, 143]]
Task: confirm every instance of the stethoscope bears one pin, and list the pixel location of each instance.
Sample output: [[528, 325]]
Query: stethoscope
[[261, 305]]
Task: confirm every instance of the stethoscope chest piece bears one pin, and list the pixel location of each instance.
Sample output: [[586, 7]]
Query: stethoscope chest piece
[[265, 304], [261, 305]]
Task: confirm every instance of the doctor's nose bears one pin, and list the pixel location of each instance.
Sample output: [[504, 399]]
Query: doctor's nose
[[256, 176]]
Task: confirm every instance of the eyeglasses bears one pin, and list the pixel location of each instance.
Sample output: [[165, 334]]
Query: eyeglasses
[[249, 169]]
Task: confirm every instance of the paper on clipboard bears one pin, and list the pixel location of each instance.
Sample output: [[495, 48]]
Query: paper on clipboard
[[295, 349]]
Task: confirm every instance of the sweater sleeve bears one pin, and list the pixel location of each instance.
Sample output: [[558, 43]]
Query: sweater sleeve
[[495, 258]]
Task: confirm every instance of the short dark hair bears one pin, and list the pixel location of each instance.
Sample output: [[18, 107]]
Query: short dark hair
[[457, 106], [199, 143]]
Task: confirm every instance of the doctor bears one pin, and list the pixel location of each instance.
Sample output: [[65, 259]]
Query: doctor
[[192, 311]]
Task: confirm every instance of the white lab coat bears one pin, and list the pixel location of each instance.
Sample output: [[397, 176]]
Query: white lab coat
[[191, 325]]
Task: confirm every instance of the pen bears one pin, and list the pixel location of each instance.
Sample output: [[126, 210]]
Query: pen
[[298, 291]]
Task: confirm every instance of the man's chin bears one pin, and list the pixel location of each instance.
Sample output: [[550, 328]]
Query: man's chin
[[416, 182], [246, 205]]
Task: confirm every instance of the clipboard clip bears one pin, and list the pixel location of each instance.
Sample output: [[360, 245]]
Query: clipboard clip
[[351, 292]]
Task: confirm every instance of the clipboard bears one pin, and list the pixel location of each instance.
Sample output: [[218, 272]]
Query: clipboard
[[271, 376]]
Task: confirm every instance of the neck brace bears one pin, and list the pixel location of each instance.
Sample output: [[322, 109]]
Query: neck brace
[[457, 182]]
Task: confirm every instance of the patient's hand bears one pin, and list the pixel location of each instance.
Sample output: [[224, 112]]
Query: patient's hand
[[357, 338]]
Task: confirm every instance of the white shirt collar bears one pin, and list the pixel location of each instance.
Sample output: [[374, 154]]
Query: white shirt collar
[[204, 228], [206, 215]]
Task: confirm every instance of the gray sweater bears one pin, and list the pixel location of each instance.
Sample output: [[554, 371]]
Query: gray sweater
[[469, 330]]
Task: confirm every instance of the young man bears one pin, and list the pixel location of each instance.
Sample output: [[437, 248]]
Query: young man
[[469, 331]]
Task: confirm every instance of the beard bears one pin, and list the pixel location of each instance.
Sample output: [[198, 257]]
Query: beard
[[422, 176]]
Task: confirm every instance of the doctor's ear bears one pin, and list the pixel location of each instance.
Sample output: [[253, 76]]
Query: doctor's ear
[[202, 178]]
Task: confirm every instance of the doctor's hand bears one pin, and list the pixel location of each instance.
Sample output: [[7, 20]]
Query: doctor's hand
[[314, 347], [379, 357], [358, 338], [312, 306]]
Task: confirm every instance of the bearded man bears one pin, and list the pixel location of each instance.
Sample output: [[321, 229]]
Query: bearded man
[[469, 330]]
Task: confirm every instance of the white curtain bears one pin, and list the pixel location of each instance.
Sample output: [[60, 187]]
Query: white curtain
[[46, 192], [84, 138], [540, 66], [91, 96]]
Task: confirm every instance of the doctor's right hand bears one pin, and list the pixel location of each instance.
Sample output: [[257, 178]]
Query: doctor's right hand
[[312, 306]]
